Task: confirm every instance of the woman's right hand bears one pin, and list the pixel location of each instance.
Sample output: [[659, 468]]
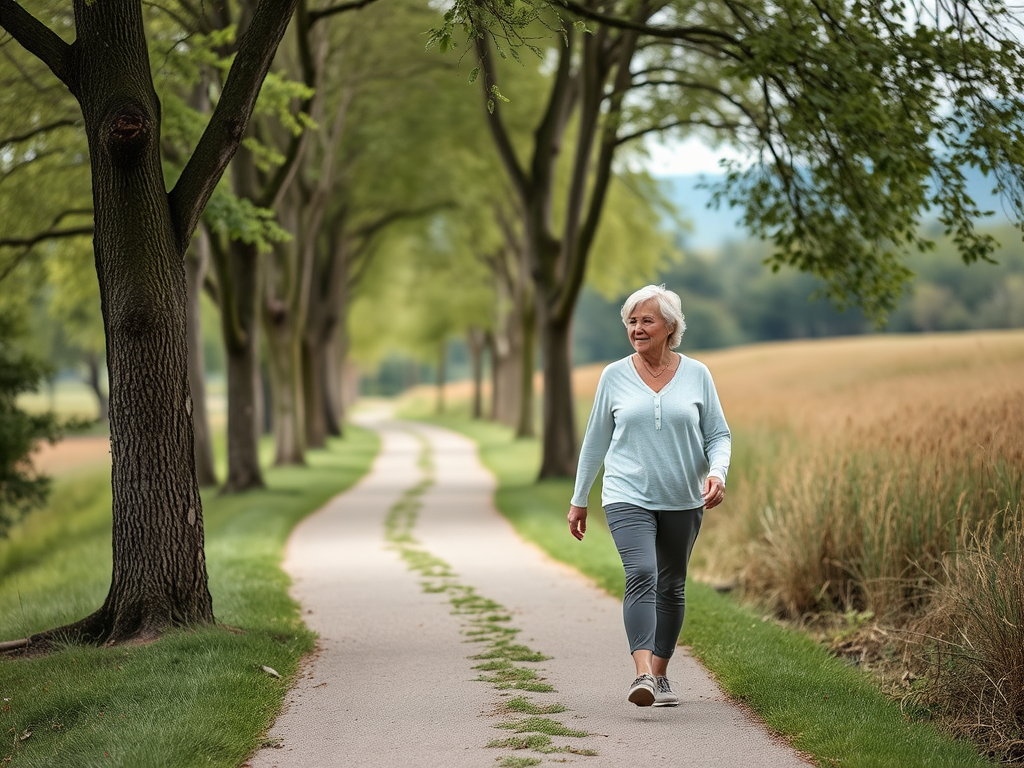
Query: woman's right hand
[[577, 521]]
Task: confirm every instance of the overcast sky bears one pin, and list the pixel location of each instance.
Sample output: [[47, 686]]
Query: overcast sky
[[686, 157]]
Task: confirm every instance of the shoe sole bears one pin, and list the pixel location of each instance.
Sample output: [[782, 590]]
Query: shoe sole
[[642, 697], [666, 703]]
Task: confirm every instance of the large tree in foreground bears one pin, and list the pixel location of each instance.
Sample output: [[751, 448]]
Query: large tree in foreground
[[159, 575]]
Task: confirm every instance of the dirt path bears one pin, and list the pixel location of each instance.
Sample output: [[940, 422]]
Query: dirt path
[[419, 588], [71, 454]]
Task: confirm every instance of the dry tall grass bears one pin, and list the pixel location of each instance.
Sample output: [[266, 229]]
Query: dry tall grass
[[861, 462], [973, 640]]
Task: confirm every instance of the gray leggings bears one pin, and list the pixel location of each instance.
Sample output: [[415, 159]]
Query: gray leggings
[[655, 549]]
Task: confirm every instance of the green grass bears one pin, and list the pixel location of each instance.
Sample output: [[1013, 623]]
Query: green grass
[[817, 702], [194, 698]]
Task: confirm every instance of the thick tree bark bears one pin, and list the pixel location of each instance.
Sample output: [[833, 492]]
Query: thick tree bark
[[195, 272], [159, 571]]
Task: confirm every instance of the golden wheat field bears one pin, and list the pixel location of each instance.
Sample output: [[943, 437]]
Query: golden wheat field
[[900, 442], [891, 389]]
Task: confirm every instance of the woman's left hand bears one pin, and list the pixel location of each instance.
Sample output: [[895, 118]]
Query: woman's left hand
[[714, 492]]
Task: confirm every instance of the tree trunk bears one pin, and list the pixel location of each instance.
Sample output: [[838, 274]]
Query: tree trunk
[[92, 361], [314, 397], [241, 349], [328, 301], [507, 361], [159, 577], [527, 366], [491, 341], [285, 359], [476, 341], [335, 386], [442, 375], [559, 438], [195, 272]]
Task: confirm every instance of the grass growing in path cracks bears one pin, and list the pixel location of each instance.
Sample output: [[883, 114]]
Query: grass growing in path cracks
[[505, 664]]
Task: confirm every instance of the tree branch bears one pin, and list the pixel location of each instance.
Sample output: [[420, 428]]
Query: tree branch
[[373, 228], [706, 35], [323, 13], [39, 40], [495, 123], [227, 125], [722, 126], [28, 242], [36, 131], [581, 243]]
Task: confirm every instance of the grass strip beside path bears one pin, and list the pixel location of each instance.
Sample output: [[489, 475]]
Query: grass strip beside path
[[194, 698], [817, 702]]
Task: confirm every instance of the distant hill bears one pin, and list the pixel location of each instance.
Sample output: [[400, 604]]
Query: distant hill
[[711, 227]]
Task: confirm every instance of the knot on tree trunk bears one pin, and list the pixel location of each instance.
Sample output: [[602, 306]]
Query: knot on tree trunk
[[277, 311], [129, 129]]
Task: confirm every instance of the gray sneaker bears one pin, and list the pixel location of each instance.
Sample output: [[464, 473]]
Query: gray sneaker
[[664, 696], [641, 692]]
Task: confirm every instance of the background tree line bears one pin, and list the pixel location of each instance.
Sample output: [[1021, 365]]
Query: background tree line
[[730, 297]]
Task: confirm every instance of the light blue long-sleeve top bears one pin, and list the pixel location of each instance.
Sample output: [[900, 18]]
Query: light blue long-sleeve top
[[657, 448]]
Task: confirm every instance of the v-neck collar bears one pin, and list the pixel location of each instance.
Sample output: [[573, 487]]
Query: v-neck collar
[[648, 387]]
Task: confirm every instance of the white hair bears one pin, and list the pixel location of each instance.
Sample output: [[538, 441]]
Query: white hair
[[668, 304]]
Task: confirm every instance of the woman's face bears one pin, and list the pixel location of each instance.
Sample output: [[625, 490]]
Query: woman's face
[[647, 329]]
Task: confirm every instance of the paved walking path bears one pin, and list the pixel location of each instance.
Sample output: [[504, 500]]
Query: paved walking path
[[393, 683]]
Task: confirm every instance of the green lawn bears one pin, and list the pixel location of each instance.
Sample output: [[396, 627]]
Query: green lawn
[[195, 698], [817, 702]]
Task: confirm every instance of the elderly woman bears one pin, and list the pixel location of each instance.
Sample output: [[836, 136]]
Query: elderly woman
[[657, 426]]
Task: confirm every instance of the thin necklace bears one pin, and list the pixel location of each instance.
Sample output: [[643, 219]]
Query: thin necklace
[[655, 375]]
